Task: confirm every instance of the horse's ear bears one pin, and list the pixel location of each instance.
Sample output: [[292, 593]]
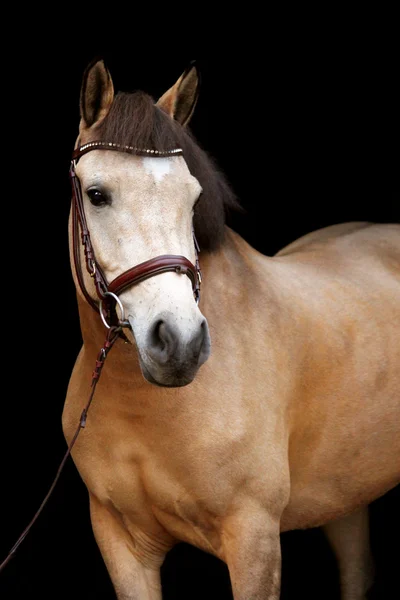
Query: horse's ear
[[97, 94], [180, 100]]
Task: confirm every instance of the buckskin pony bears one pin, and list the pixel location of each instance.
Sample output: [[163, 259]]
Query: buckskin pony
[[270, 404]]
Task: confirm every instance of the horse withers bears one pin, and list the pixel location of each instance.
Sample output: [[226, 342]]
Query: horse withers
[[271, 403]]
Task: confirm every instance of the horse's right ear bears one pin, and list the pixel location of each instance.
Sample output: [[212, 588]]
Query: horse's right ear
[[97, 94]]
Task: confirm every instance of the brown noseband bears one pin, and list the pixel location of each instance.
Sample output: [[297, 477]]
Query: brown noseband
[[136, 274]]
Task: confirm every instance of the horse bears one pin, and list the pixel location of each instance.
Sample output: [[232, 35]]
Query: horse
[[245, 395]]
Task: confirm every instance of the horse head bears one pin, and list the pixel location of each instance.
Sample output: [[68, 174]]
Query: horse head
[[138, 204]]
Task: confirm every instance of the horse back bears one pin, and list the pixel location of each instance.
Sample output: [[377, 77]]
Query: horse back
[[381, 239]]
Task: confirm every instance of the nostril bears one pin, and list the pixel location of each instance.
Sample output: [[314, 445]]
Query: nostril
[[156, 334], [197, 342], [205, 343], [162, 341]]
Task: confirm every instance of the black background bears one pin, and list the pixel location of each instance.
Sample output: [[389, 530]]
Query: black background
[[306, 129]]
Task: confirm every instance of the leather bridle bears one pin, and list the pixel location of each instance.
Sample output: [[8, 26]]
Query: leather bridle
[[107, 292]]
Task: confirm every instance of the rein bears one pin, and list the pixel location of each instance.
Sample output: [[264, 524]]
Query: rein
[[112, 336], [108, 292]]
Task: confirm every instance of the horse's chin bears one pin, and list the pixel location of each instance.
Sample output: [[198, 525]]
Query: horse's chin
[[162, 378]]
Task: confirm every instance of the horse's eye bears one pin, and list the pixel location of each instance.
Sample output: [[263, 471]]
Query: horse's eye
[[97, 198]]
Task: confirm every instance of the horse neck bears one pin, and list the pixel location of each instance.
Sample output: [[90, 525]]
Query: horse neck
[[236, 276]]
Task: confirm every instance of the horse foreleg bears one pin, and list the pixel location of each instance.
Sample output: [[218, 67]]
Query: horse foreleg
[[349, 538], [253, 554], [133, 563]]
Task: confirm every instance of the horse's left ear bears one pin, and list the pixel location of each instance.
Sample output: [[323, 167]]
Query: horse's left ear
[[181, 99]]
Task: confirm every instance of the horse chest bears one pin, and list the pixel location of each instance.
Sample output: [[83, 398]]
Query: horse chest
[[160, 499]]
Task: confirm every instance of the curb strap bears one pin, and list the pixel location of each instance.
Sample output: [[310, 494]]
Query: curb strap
[[112, 336]]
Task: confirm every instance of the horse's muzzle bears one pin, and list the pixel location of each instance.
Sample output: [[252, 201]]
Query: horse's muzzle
[[172, 355]]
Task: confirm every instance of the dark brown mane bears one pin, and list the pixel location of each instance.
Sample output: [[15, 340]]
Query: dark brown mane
[[134, 120]]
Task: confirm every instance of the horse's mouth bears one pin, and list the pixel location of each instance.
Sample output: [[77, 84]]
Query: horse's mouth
[[170, 379]]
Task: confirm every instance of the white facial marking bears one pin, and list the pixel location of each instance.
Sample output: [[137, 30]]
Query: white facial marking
[[158, 167]]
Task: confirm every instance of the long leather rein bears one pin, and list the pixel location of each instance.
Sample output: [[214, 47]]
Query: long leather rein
[[108, 292]]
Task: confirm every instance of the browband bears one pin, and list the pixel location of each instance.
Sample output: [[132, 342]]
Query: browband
[[99, 145]]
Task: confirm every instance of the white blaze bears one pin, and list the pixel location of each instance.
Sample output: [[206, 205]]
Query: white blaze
[[158, 167]]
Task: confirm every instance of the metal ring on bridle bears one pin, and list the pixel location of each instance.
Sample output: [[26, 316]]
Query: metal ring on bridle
[[92, 273], [118, 301]]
